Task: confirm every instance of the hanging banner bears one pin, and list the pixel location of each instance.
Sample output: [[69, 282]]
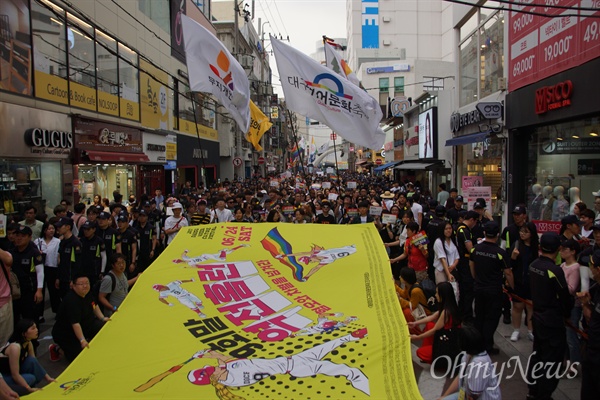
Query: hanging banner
[[154, 99], [253, 315]]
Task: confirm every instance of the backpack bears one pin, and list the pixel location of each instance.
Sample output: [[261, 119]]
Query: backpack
[[428, 288], [96, 288]]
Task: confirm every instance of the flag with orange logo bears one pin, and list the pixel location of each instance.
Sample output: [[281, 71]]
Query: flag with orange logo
[[259, 124], [212, 69]]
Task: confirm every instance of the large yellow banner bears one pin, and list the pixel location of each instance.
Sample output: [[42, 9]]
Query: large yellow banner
[[254, 311]]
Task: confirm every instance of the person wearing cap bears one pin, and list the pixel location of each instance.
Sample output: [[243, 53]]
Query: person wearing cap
[[148, 240], [128, 237], [435, 230], [452, 214], [489, 265], [175, 222], [387, 200], [403, 203], [570, 228], [30, 221], [28, 266], [590, 301], [465, 243], [108, 234], [477, 230], [93, 253], [69, 255], [509, 236], [552, 304]]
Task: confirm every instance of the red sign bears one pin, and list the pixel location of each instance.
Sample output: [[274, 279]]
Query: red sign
[[105, 136], [333, 136], [261, 160], [378, 161], [237, 162], [540, 47], [547, 226], [552, 97]]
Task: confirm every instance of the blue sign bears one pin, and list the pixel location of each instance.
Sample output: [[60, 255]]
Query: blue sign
[[391, 68], [370, 24], [171, 165]]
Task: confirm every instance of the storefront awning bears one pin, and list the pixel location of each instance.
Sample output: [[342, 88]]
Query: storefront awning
[[468, 139], [386, 166], [414, 165], [115, 157]]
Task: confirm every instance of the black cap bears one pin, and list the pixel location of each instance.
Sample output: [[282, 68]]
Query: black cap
[[550, 242], [472, 215], [64, 221], [88, 225], [143, 212], [491, 228], [440, 210], [462, 214], [104, 215], [596, 226], [519, 210], [146, 204], [24, 230], [481, 200], [459, 198], [477, 205], [122, 218], [572, 245], [571, 219]]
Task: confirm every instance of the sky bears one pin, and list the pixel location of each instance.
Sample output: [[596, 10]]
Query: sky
[[304, 21]]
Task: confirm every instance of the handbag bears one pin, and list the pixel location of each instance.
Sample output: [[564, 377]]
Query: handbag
[[418, 313], [13, 280], [446, 347]]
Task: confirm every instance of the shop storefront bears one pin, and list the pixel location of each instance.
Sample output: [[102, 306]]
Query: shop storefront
[[480, 149], [107, 158], [197, 161], [151, 176], [35, 148], [554, 142]]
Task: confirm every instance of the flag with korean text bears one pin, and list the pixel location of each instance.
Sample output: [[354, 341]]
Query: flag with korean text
[[212, 69], [315, 91], [259, 124]]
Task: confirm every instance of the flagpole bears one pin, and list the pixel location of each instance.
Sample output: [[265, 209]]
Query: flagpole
[[337, 172], [296, 140]]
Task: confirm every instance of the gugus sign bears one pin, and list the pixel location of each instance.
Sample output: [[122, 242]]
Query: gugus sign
[[49, 138]]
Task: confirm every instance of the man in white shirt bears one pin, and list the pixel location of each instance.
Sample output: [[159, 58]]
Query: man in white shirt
[[175, 222], [31, 222], [417, 209], [221, 214]]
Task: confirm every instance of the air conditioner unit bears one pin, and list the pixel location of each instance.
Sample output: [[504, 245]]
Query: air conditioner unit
[[246, 62], [387, 42], [386, 19], [502, 83]]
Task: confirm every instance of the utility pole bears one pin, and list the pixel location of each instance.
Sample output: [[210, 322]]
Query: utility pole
[[236, 50]]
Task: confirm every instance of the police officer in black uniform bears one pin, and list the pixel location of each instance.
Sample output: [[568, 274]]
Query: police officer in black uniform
[[452, 214], [127, 237], [552, 304], [477, 230], [29, 268], [108, 234], [590, 372], [69, 255], [93, 253], [489, 264], [147, 240], [435, 230], [465, 243]]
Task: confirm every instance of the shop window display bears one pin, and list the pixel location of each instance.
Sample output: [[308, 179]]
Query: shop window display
[[104, 179], [563, 169]]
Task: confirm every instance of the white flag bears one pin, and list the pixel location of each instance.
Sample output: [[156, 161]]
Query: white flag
[[314, 91], [323, 148], [212, 69], [334, 61]]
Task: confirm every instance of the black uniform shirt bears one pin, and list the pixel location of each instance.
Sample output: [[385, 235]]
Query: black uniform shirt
[[69, 252], [552, 302], [23, 266], [490, 262]]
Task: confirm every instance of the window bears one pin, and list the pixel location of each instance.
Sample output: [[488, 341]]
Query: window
[[82, 63], [158, 11], [492, 50], [398, 86], [106, 62], [129, 83], [384, 85]]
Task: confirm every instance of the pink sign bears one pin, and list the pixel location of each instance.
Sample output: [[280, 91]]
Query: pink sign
[[547, 226], [469, 181], [541, 46]]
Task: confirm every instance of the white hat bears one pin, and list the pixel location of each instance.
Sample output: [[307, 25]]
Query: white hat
[[596, 194], [177, 205]]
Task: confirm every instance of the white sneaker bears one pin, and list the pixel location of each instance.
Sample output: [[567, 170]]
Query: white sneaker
[[530, 336], [515, 336]]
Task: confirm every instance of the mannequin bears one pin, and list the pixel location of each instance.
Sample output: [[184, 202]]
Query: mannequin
[[547, 203], [574, 198], [560, 207], [535, 207]]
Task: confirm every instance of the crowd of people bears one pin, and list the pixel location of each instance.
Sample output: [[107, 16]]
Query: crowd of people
[[454, 268]]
